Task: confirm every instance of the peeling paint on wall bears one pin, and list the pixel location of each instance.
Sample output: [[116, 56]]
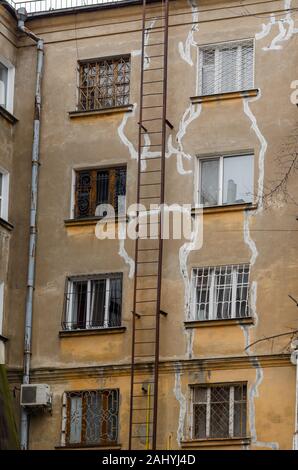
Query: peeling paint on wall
[[122, 251], [182, 402], [285, 25]]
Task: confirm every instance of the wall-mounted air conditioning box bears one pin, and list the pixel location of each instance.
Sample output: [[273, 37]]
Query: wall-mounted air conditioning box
[[36, 395]]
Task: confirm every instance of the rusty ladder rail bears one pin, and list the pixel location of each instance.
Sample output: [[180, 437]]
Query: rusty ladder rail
[[148, 252]]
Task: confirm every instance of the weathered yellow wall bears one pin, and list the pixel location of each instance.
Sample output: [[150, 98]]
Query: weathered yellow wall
[[267, 239]]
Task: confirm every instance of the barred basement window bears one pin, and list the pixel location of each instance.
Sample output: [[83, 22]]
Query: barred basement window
[[104, 83], [93, 302], [219, 411], [226, 179], [220, 292], [99, 187], [92, 417], [226, 67]]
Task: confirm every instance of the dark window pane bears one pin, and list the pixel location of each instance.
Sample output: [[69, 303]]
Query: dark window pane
[[199, 424], [97, 308], [115, 302], [79, 304]]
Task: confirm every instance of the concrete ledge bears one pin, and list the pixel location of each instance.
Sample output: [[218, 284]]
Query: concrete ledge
[[232, 95], [225, 208], [7, 115], [222, 442], [88, 447], [92, 331], [224, 322], [94, 221], [6, 224], [98, 112]]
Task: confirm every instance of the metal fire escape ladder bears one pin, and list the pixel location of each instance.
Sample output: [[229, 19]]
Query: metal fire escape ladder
[[148, 251]]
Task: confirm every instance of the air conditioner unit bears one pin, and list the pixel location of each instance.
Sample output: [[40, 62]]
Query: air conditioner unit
[[36, 395]]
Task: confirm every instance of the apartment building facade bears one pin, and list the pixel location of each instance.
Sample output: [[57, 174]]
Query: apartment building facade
[[226, 378]]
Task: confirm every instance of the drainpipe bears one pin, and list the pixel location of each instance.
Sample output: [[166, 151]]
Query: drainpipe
[[294, 360], [22, 16]]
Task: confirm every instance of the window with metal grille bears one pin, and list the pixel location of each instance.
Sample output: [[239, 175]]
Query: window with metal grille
[[219, 411], [92, 417], [226, 67], [99, 187], [220, 292], [226, 179], [93, 302], [104, 83]]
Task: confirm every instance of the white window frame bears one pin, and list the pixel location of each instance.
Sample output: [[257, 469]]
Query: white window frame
[[69, 306], [208, 408], [10, 84], [221, 158], [218, 63], [4, 195], [212, 310], [1, 307]]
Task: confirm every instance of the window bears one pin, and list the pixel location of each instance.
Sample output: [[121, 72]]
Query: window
[[4, 185], [219, 411], [220, 292], [226, 67], [226, 180], [93, 302], [104, 83], [99, 186], [92, 417], [7, 72]]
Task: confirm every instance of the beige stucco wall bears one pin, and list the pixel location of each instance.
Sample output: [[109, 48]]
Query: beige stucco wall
[[267, 239]]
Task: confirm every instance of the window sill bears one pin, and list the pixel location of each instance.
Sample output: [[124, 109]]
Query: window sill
[[94, 221], [230, 441], [4, 339], [115, 109], [7, 115], [224, 96], [4, 223], [226, 208], [224, 322], [92, 446], [92, 331]]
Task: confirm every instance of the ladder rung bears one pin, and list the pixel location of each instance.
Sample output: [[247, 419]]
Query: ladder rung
[[155, 17], [146, 302], [144, 381], [155, 68], [139, 396], [150, 197], [150, 107], [148, 249], [154, 56], [152, 81], [155, 44], [151, 145], [142, 436], [149, 171], [152, 94], [150, 184], [150, 133]]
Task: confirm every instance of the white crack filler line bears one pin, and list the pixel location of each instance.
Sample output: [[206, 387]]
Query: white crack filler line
[[180, 397], [285, 25], [193, 111], [253, 392]]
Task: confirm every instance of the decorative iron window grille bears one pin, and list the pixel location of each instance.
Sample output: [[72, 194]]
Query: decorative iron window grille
[[93, 302], [226, 67], [226, 179], [220, 292], [100, 187], [104, 83], [219, 411], [92, 417]]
